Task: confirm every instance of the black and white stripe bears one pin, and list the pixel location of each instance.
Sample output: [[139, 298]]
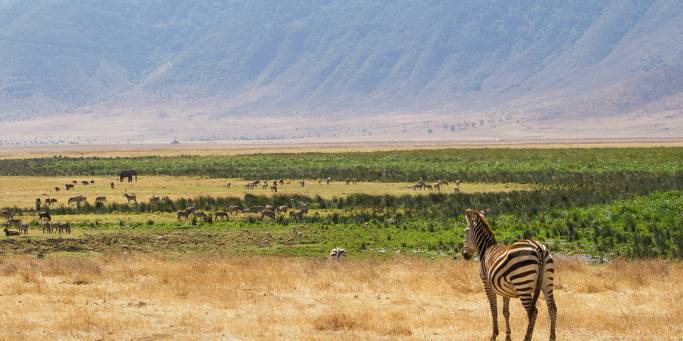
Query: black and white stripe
[[520, 270]]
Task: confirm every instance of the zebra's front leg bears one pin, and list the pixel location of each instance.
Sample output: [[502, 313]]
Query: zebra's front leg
[[494, 308], [506, 313]]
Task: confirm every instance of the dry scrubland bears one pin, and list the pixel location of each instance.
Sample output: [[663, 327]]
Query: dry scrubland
[[144, 297], [22, 191]]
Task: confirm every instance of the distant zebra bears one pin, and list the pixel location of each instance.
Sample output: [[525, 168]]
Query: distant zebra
[[130, 197], [200, 214], [337, 253], [100, 200], [182, 214], [267, 213], [521, 269], [221, 214], [234, 209]]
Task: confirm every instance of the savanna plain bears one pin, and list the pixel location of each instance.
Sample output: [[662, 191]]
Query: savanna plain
[[141, 270]]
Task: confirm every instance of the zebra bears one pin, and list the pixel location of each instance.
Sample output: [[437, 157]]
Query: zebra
[[337, 253], [521, 269], [221, 214], [267, 213], [182, 214]]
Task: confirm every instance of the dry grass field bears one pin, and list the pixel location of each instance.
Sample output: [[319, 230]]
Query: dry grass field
[[22, 191], [147, 297], [241, 148]]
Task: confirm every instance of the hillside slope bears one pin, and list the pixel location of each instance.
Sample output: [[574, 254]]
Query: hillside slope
[[516, 64]]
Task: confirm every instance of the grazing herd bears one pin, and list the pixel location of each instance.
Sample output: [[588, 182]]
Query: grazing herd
[[261, 212], [421, 185]]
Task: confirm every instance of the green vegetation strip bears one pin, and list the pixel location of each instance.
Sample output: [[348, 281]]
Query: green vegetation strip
[[477, 165]]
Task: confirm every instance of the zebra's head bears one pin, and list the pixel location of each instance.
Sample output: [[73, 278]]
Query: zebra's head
[[475, 221]]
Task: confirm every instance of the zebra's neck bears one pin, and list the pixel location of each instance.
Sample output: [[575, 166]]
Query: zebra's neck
[[484, 240]]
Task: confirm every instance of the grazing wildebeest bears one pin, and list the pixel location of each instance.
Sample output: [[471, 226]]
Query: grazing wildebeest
[[337, 253], [154, 199], [44, 216], [85, 182], [273, 187], [190, 209], [128, 174], [38, 204], [68, 186], [268, 213], [130, 197], [328, 180], [74, 182], [347, 181], [9, 233], [428, 186], [234, 209], [437, 186], [77, 200], [228, 185], [282, 181], [166, 198], [56, 189], [182, 214], [302, 183], [112, 185], [13, 222], [100, 200], [50, 201], [23, 228], [61, 228], [200, 214], [92, 181], [221, 214], [7, 214], [47, 227], [282, 209]]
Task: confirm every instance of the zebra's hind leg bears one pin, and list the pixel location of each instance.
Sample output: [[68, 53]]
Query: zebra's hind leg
[[552, 309], [531, 312], [494, 308], [506, 313]]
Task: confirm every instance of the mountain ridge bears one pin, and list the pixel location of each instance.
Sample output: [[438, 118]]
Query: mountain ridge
[[555, 61]]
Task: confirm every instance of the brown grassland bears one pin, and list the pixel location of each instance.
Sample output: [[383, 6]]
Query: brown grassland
[[152, 297], [22, 191]]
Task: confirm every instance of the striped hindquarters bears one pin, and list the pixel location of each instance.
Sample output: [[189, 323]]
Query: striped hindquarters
[[513, 270]]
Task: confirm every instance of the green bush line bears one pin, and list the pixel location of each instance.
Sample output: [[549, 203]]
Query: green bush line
[[548, 166]]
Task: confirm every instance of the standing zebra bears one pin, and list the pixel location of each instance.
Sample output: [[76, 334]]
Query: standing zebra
[[521, 270]]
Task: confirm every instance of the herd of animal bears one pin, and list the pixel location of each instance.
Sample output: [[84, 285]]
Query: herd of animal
[[421, 185], [524, 269], [261, 212]]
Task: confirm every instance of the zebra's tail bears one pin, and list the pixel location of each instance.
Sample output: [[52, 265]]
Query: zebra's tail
[[539, 279]]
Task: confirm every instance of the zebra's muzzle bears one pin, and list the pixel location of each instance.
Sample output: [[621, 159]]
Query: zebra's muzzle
[[466, 255]]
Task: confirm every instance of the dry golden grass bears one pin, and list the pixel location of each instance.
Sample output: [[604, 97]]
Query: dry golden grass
[[241, 148], [22, 191], [147, 297]]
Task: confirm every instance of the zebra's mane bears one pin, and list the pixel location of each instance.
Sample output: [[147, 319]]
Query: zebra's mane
[[486, 225]]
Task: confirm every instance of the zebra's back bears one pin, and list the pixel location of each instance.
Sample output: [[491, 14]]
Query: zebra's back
[[513, 270]]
